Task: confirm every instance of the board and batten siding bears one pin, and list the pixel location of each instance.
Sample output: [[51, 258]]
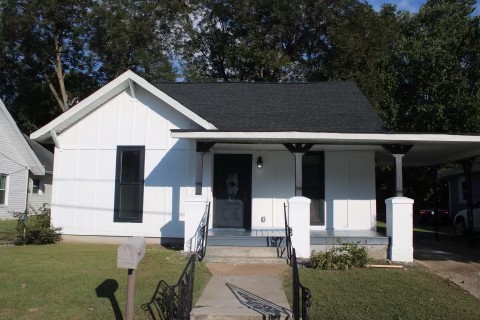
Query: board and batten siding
[[350, 190], [84, 176], [15, 167]]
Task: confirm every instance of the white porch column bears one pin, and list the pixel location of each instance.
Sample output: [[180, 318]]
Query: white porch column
[[198, 173], [299, 221], [398, 174], [194, 211], [400, 228], [298, 173]]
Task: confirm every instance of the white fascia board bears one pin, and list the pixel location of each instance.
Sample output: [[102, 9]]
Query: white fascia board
[[326, 137], [104, 94], [37, 168]]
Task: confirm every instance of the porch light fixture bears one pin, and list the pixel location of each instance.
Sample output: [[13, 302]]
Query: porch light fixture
[[260, 163]]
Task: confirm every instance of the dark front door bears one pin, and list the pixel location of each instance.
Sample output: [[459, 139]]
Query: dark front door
[[232, 191]]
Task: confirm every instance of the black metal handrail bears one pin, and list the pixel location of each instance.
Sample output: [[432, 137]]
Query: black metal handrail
[[301, 294], [202, 234], [288, 235], [174, 302]]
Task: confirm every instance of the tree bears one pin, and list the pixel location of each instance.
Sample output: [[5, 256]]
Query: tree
[[440, 84], [135, 35], [47, 42]]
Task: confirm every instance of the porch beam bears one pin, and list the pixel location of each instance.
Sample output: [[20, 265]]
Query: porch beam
[[202, 148], [298, 147]]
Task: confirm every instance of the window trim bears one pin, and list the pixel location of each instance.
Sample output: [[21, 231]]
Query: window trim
[[116, 209], [6, 188], [39, 188]]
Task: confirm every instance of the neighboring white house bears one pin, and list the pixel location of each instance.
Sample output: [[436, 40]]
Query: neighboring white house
[[25, 169], [129, 156]]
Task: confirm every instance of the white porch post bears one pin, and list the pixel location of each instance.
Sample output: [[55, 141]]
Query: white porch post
[[298, 173], [299, 221], [400, 228], [194, 211], [198, 173], [398, 174]]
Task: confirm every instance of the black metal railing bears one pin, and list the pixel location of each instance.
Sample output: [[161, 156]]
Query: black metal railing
[[198, 243], [173, 302], [301, 294], [202, 234], [288, 235]]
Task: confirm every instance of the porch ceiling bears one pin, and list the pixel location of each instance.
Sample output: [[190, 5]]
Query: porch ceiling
[[427, 150]]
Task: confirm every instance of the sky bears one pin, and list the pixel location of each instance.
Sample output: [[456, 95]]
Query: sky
[[407, 5]]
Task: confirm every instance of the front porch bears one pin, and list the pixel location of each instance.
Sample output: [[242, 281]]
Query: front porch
[[320, 240]]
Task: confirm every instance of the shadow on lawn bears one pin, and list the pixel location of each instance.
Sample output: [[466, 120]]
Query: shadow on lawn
[[107, 290]]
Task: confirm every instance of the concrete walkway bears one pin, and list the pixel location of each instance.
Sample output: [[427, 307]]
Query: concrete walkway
[[452, 259], [243, 291]]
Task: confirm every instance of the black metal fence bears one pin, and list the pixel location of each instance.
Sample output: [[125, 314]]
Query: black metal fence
[[173, 302], [301, 294]]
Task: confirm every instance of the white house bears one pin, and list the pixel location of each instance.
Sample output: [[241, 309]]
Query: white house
[[25, 169], [129, 157]]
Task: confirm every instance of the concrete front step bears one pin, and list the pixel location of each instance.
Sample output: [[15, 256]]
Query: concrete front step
[[235, 255], [244, 260]]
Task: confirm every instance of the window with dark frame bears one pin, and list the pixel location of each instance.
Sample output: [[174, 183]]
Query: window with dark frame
[[313, 178], [35, 185], [3, 189], [129, 183]]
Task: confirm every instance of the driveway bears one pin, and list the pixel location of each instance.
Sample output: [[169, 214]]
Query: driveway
[[450, 257]]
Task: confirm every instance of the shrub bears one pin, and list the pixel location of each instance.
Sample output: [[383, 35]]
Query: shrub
[[35, 228], [346, 256]]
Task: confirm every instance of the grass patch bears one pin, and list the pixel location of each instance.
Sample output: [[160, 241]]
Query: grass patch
[[384, 294], [382, 228], [58, 281], [7, 230]]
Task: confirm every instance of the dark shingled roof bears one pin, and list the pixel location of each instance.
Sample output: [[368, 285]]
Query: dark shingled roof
[[44, 156], [307, 107]]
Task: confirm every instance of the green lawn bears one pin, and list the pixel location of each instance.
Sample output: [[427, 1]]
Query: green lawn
[[385, 294], [7, 230], [59, 281]]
